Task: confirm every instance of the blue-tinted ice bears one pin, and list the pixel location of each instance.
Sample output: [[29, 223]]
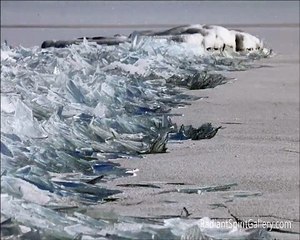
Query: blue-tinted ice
[[66, 112]]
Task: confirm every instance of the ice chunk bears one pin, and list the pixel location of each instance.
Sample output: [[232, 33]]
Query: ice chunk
[[5, 150], [24, 123], [8, 103], [100, 110], [75, 92], [22, 189]]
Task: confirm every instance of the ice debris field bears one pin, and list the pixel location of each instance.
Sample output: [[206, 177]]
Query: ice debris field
[[65, 112]]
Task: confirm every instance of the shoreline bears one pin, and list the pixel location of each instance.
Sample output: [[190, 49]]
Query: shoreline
[[259, 152]]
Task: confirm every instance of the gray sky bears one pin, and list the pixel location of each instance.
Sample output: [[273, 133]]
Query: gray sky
[[125, 13]]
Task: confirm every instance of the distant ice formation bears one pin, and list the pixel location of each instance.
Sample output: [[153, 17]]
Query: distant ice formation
[[211, 38]]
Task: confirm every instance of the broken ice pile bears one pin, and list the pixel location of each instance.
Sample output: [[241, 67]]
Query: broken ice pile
[[66, 112]]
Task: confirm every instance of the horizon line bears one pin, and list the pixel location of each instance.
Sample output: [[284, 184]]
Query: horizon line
[[132, 26]]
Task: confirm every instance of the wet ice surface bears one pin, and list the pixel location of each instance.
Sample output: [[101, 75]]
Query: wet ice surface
[[66, 112]]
